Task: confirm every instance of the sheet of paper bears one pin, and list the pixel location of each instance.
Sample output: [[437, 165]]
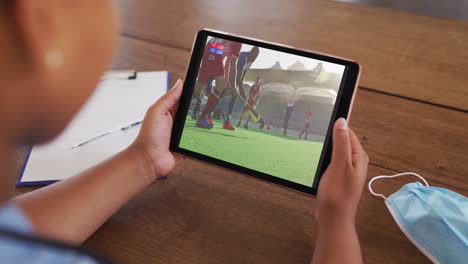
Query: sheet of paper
[[115, 104]]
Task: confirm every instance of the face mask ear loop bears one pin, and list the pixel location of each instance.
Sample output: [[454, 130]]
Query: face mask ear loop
[[369, 186]]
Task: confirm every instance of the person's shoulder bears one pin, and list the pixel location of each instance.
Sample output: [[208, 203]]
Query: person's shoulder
[[12, 218], [18, 248]]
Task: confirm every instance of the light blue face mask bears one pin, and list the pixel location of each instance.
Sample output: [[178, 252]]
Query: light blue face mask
[[434, 219]]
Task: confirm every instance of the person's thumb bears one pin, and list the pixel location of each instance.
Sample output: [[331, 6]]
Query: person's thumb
[[341, 144], [175, 92], [172, 96]]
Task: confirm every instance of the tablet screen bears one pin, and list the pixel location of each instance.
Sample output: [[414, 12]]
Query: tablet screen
[[262, 109]]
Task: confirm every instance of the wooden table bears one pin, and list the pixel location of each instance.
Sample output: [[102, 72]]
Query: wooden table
[[410, 113]]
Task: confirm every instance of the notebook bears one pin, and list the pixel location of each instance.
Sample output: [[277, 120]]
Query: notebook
[[96, 133]]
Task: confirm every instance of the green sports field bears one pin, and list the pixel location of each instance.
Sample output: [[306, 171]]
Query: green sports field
[[289, 158]]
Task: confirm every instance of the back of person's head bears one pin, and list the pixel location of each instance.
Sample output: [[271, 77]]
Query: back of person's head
[[53, 53]]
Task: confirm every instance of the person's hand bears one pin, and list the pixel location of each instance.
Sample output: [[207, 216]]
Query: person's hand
[[155, 133], [341, 185]]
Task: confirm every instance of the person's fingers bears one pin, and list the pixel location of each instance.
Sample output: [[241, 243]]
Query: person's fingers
[[359, 156], [178, 157], [356, 146], [341, 144], [171, 98], [173, 109]]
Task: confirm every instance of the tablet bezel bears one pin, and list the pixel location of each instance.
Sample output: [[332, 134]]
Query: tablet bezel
[[342, 107]]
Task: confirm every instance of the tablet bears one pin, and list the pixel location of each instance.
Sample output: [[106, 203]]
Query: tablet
[[262, 109]]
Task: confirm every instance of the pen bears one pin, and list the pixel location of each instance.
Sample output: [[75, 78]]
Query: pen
[[107, 133], [131, 125]]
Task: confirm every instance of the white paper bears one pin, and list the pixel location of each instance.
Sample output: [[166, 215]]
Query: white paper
[[116, 103]]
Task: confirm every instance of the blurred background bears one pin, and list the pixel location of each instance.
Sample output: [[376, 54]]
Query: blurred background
[[454, 9]]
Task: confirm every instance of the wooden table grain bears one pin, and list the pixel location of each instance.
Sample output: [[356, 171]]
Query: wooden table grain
[[413, 56], [410, 113]]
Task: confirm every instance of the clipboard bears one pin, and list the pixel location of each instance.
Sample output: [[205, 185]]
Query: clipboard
[[121, 99]]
